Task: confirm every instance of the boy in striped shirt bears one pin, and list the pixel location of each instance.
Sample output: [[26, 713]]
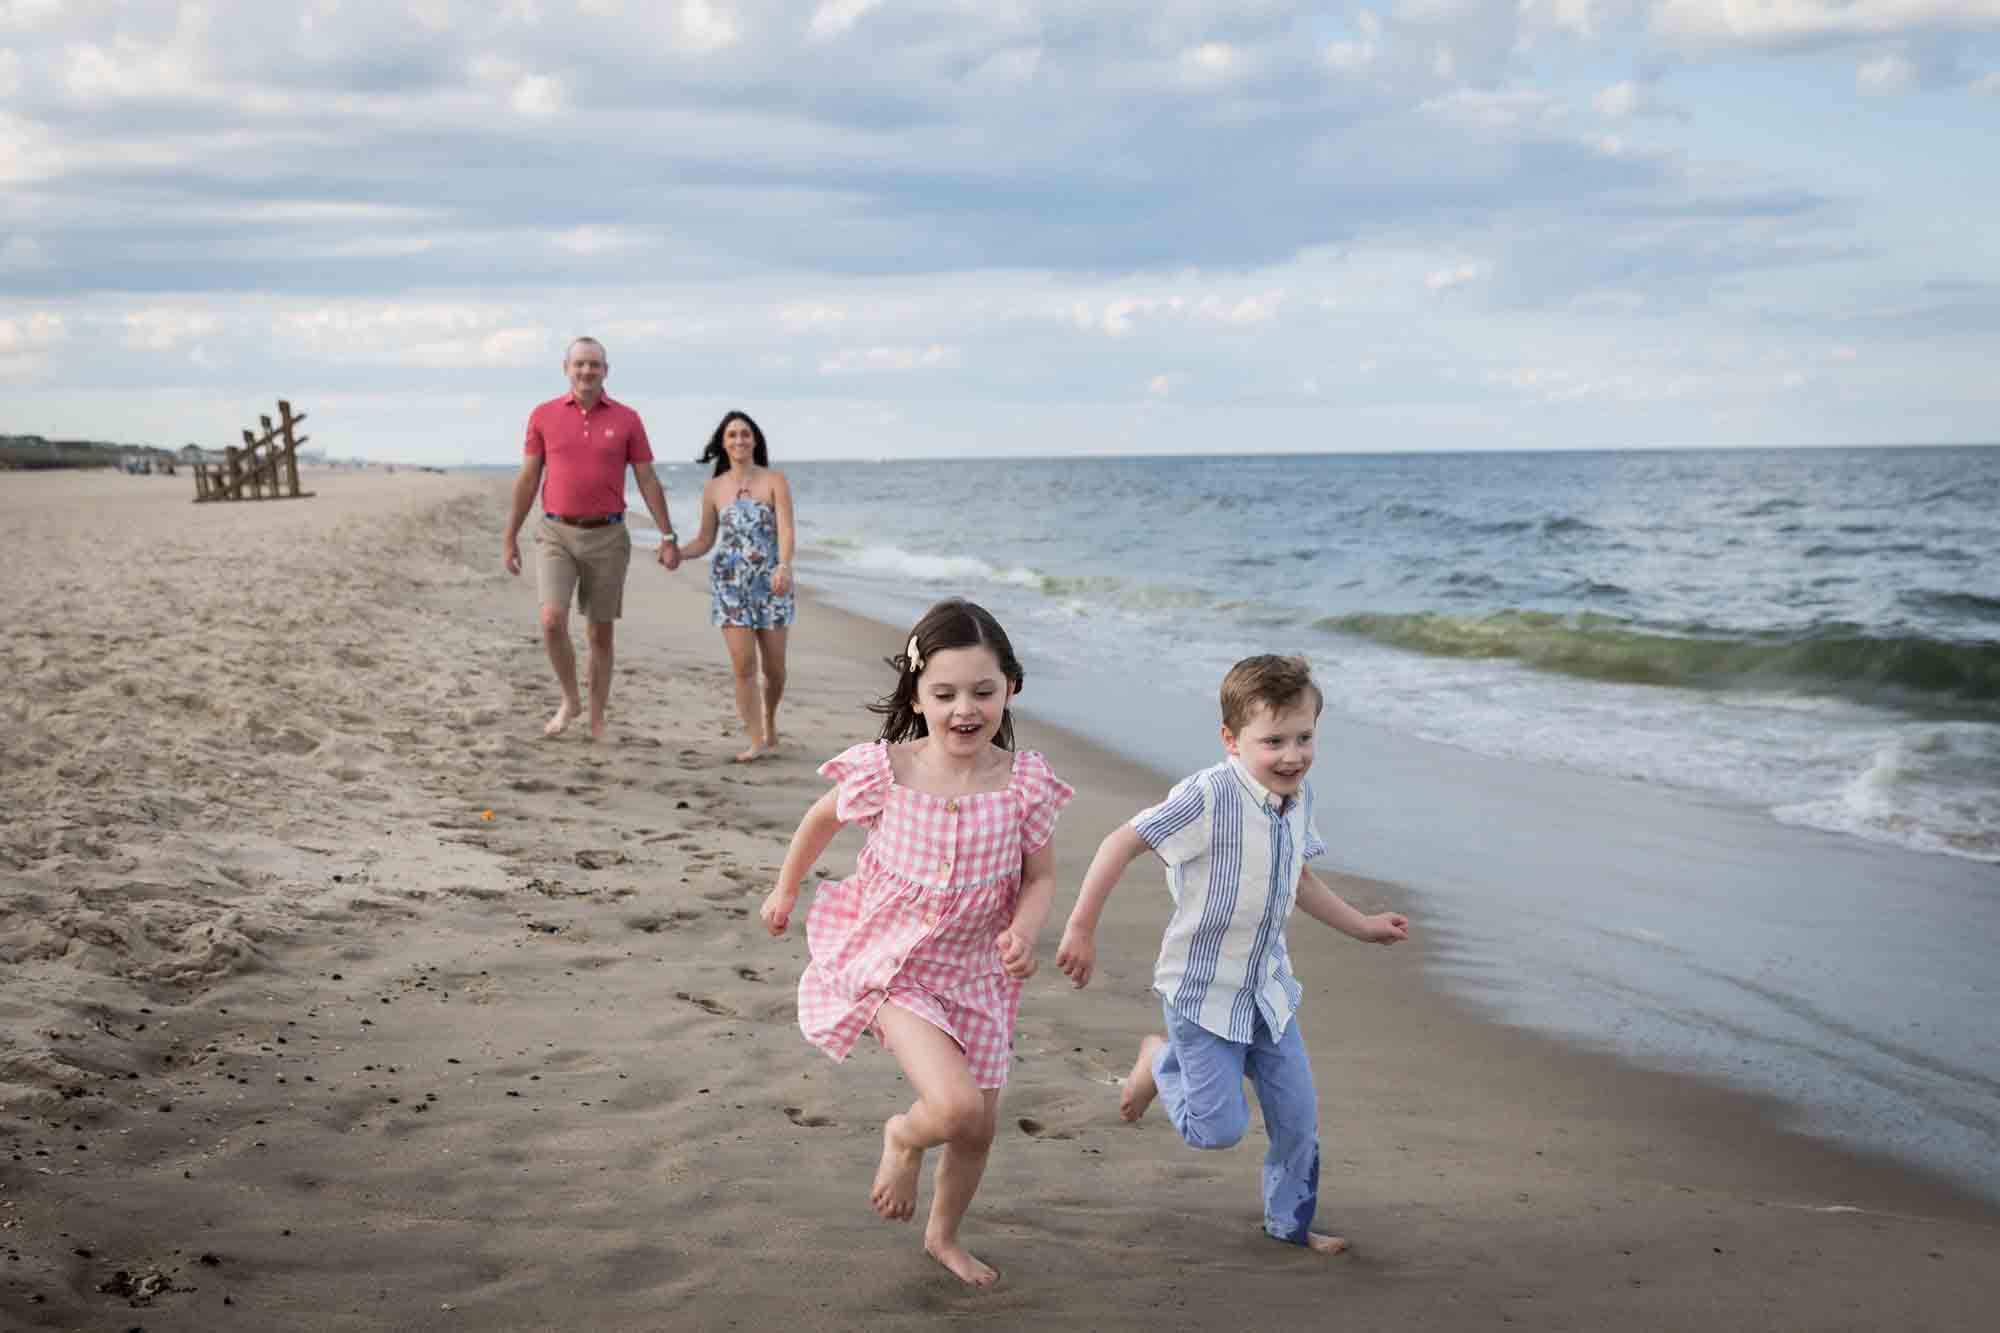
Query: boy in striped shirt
[[1235, 839]]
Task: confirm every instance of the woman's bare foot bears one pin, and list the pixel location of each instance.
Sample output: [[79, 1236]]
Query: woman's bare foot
[[963, 1265], [1136, 1093], [757, 750], [1319, 1244], [565, 715], [895, 1191]]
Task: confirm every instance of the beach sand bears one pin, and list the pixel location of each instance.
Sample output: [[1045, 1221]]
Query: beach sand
[[333, 996]]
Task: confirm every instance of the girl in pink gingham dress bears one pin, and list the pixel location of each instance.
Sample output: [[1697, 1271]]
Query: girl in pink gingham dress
[[928, 943]]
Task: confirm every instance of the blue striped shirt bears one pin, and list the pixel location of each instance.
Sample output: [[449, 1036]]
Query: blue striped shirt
[[1233, 853]]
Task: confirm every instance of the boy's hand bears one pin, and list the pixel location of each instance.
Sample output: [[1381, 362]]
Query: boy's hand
[[1386, 928], [1077, 954], [777, 910], [1017, 953]]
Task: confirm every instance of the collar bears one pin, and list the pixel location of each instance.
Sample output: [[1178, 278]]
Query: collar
[[603, 400], [1258, 791]]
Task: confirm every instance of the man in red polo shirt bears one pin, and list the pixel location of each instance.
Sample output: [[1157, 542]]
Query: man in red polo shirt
[[577, 450]]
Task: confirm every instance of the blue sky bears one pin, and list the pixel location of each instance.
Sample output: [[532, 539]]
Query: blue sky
[[1006, 226]]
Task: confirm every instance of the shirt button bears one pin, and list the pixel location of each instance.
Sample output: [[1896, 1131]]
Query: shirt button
[[944, 867], [951, 807], [930, 918]]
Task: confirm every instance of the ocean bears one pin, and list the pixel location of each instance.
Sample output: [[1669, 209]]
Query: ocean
[[1694, 754]]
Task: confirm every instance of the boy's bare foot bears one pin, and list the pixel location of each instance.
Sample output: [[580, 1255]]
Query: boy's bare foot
[[895, 1191], [1136, 1093], [565, 715], [963, 1265], [1319, 1244]]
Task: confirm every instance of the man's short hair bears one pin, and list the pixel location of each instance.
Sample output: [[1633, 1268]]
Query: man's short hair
[[1269, 681], [570, 350]]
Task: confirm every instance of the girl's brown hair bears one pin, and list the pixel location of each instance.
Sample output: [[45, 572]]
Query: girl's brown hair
[[952, 623]]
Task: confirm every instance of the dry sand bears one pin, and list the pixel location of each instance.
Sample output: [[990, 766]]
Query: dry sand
[[334, 997]]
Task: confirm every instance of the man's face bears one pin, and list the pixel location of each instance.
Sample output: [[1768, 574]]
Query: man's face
[[586, 369], [1277, 747]]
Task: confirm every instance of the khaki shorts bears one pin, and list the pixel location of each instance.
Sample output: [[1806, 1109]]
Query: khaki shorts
[[587, 562]]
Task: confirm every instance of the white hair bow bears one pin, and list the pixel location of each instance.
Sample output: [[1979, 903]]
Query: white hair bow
[[910, 655]]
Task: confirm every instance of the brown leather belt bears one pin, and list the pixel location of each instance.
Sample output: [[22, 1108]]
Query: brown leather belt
[[586, 520]]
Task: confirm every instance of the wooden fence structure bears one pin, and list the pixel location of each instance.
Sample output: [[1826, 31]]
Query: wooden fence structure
[[265, 468]]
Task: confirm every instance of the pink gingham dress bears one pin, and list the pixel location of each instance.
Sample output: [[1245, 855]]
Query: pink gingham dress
[[918, 920]]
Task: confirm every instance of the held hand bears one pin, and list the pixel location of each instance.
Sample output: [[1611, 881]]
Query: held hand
[[1077, 955], [670, 556], [1387, 928], [777, 910], [510, 556], [1017, 954]]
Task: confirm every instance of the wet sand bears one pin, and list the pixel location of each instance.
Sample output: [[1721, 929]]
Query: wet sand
[[332, 996]]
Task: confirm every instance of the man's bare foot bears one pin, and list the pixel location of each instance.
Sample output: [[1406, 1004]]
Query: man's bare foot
[[963, 1265], [1136, 1093], [565, 715], [895, 1191], [1319, 1244]]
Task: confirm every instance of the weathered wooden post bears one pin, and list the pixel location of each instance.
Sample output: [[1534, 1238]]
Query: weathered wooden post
[[291, 444]]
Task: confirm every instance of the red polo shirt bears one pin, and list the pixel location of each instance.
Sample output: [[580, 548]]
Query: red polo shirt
[[585, 454]]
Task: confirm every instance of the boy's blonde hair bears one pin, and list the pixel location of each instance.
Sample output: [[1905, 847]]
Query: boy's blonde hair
[[1268, 680]]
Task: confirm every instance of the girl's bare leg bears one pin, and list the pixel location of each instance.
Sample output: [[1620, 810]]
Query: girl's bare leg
[[743, 669], [951, 1111], [959, 1168]]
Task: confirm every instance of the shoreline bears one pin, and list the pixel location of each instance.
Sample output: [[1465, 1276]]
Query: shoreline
[[542, 1070]]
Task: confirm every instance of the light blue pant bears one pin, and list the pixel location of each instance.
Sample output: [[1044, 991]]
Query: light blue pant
[[1200, 1077]]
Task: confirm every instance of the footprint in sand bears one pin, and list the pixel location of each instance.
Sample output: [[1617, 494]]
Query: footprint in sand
[[749, 974], [706, 1005], [653, 925], [1035, 1129], [797, 1116]]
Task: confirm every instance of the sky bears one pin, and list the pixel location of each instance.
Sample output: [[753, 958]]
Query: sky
[[928, 227]]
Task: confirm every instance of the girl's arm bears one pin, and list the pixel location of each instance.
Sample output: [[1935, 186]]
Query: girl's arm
[[1077, 954], [815, 831], [1031, 909], [1322, 904], [781, 501], [697, 548]]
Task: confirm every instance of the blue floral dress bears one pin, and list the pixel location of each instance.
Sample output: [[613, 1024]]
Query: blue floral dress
[[739, 573]]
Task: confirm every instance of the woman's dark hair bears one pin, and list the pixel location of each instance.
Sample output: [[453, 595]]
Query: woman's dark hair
[[721, 455], [952, 623]]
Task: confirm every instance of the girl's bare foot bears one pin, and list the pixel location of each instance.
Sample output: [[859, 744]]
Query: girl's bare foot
[[895, 1191], [1136, 1093], [1319, 1244], [565, 715], [963, 1265]]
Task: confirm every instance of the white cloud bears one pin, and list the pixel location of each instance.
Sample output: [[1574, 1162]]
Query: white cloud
[[10, 73], [1987, 85], [1211, 63], [1780, 22], [704, 28], [835, 17], [809, 316], [851, 360], [1886, 75], [20, 253], [601, 240], [1243, 312], [1444, 279], [539, 96], [1478, 109], [1620, 100], [1013, 64], [161, 329]]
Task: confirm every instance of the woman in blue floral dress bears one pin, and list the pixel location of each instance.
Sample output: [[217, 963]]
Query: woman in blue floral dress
[[746, 516]]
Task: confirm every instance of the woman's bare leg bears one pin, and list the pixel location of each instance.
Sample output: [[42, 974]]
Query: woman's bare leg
[[771, 648], [742, 644]]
